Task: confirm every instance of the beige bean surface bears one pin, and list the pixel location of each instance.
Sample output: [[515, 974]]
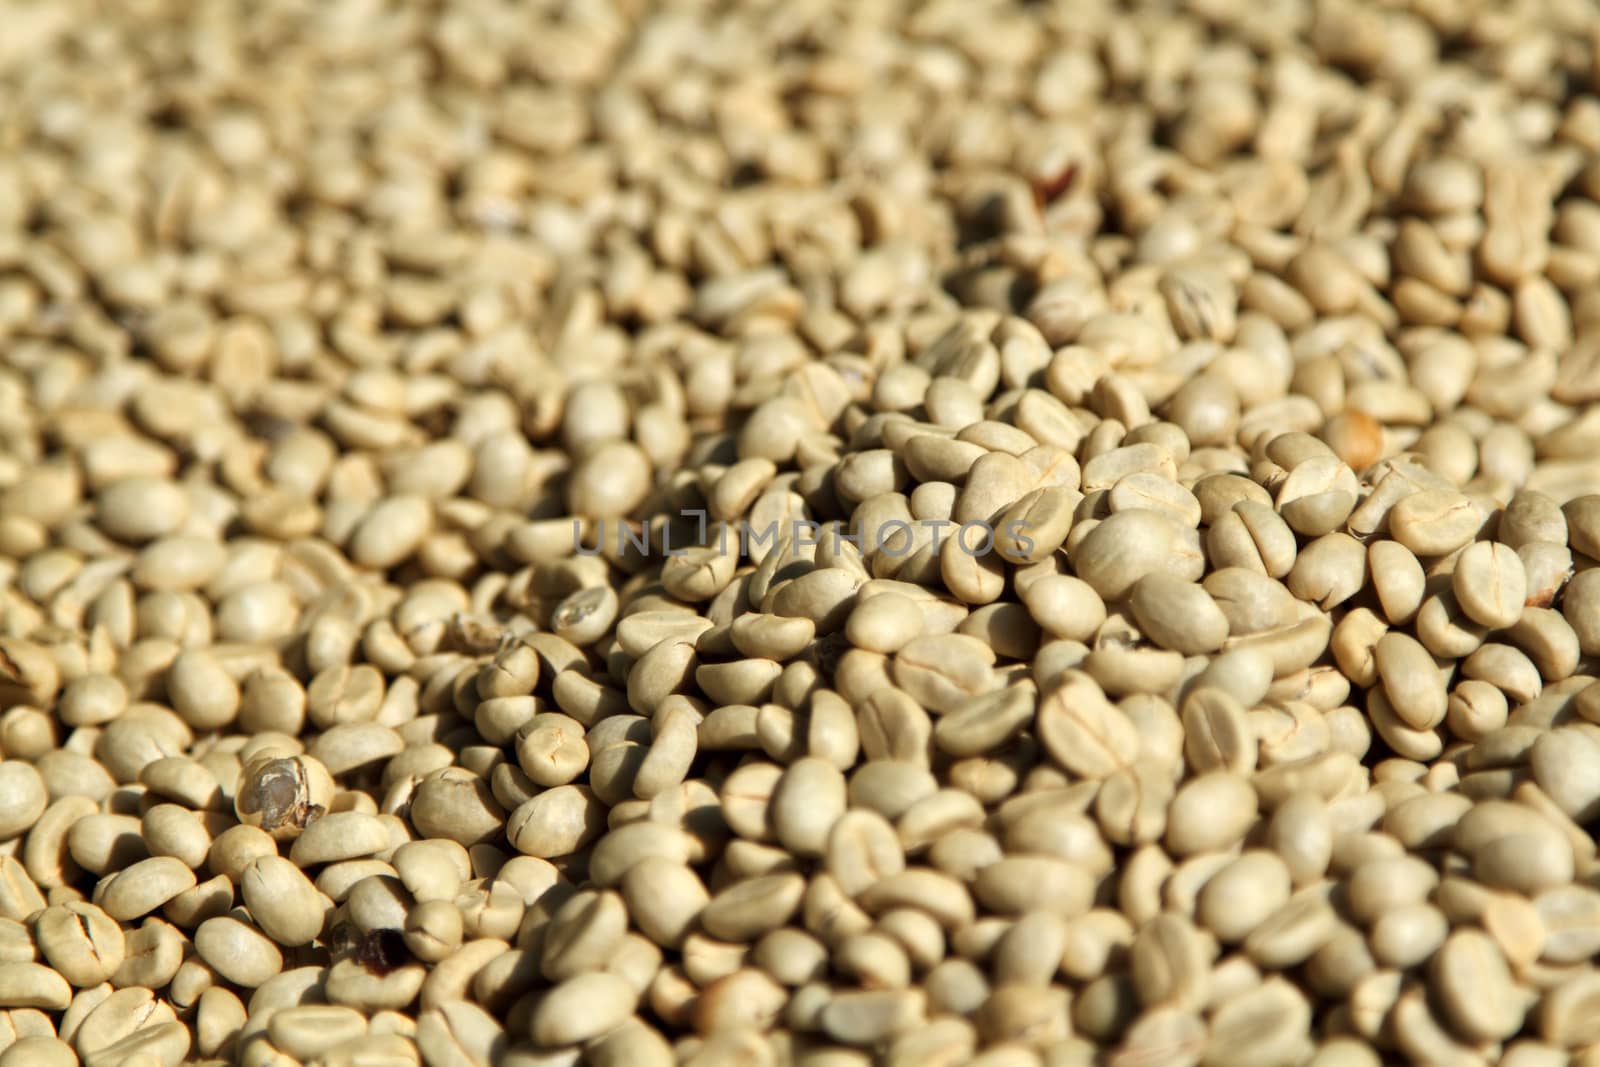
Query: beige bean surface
[[817, 534]]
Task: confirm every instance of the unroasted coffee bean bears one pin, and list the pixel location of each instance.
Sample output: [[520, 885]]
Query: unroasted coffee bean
[[940, 671], [1084, 731], [82, 942], [1490, 584], [1210, 812]]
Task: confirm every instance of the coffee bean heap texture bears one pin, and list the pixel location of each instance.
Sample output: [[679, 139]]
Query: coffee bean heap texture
[[799, 533]]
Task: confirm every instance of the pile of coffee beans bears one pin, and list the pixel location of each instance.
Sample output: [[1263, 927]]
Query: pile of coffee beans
[[799, 533]]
